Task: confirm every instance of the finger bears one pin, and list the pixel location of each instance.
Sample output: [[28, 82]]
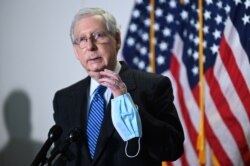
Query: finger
[[112, 75], [109, 81]]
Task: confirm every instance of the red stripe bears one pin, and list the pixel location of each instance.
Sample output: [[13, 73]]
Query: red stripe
[[175, 70], [184, 160], [235, 74], [169, 163], [211, 137], [227, 116], [215, 145]]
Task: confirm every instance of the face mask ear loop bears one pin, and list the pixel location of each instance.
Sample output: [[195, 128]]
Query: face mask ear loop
[[139, 148]]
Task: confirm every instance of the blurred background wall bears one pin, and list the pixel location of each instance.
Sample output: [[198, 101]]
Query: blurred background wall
[[36, 59]]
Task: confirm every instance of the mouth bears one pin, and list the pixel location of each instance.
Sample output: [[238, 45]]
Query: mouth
[[95, 60]]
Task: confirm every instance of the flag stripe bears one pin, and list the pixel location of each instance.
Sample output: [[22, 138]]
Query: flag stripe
[[178, 71], [229, 119], [235, 75], [210, 129], [230, 94], [174, 68], [220, 133], [216, 145], [232, 38], [191, 157]]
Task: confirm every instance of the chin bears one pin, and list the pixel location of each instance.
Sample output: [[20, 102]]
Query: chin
[[98, 69]]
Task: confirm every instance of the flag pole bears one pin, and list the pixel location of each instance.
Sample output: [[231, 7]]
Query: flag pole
[[152, 44], [201, 135], [152, 36]]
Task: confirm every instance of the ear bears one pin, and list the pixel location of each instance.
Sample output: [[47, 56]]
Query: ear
[[76, 54], [118, 40]]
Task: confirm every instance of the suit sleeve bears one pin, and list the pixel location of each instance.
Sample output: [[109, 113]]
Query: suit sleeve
[[162, 131]]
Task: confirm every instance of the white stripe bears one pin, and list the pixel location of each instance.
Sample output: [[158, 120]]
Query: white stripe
[[221, 131], [233, 99], [233, 41], [190, 102], [191, 105], [190, 153]]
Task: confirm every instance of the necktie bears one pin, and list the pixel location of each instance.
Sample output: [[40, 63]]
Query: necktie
[[96, 114]]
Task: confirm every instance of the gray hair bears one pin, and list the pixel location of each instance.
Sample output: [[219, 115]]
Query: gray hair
[[111, 24]]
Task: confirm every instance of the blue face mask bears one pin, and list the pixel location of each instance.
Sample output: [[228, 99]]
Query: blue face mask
[[125, 117], [126, 120]]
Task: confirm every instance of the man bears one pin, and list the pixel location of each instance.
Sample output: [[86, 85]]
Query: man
[[138, 125]]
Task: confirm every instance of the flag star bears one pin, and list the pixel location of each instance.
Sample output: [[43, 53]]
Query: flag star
[[196, 55], [170, 18], [195, 70], [133, 27], [196, 40], [237, 1], [135, 60], [214, 49], [193, 7], [145, 37], [227, 8], [141, 65], [216, 34], [191, 36], [149, 69], [136, 13], [172, 4], [219, 4], [158, 12], [143, 50], [163, 46], [197, 25], [205, 29], [156, 26], [148, 8], [160, 60], [218, 19], [130, 41], [147, 22], [166, 32], [205, 44], [189, 51], [184, 14], [246, 19], [192, 22], [247, 4], [209, 2], [207, 15]]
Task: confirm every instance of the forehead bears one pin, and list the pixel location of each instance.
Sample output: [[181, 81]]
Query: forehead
[[89, 24]]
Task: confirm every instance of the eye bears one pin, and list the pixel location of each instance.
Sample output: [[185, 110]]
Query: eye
[[82, 39], [98, 35]]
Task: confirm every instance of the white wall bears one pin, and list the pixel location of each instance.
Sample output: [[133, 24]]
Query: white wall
[[36, 59]]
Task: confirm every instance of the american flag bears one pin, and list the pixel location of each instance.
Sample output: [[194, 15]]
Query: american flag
[[226, 61]]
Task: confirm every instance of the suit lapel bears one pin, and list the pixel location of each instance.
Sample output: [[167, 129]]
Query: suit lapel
[[79, 116], [108, 129], [105, 134]]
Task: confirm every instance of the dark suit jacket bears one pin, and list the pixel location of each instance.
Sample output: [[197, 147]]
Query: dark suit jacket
[[162, 133]]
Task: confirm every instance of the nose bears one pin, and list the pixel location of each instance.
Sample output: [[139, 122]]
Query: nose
[[91, 46]]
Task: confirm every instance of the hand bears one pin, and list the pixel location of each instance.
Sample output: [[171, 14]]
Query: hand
[[113, 81]]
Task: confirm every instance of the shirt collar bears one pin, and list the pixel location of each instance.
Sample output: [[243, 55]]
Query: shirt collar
[[94, 84]]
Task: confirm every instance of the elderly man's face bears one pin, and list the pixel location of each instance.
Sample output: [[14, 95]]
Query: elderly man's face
[[98, 48]]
